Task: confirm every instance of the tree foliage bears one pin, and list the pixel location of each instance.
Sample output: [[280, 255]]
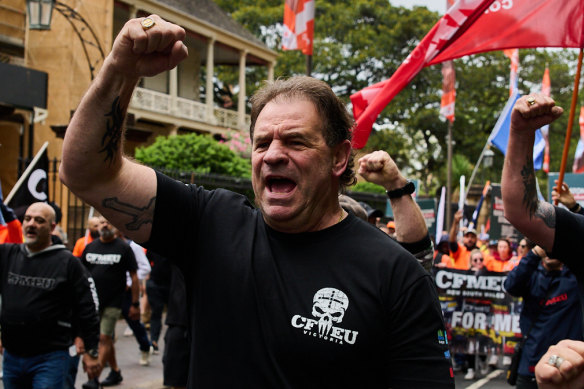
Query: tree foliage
[[193, 152], [361, 42]]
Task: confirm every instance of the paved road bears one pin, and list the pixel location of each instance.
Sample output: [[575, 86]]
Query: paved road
[[128, 354], [150, 377]]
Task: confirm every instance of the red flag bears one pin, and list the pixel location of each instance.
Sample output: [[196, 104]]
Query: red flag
[[470, 27], [298, 25], [546, 88], [448, 91], [578, 166], [513, 55]]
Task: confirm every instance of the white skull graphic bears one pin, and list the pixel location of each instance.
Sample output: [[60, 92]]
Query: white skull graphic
[[329, 306]]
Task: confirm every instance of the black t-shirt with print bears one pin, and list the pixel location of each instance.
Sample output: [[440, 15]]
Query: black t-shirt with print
[[108, 264], [341, 307]]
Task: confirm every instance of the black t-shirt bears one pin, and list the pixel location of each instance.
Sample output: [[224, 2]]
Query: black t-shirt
[[108, 264], [568, 242], [341, 307]]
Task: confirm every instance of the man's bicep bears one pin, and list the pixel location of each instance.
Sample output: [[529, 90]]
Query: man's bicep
[[540, 226], [128, 201]]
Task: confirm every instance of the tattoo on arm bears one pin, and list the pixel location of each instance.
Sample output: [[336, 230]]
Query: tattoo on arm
[[540, 209], [140, 216], [529, 191], [110, 142], [547, 213]]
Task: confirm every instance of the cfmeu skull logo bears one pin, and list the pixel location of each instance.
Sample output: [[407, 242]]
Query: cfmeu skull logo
[[329, 306]]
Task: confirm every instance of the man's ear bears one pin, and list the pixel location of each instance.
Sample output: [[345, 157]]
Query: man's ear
[[53, 225], [342, 153]]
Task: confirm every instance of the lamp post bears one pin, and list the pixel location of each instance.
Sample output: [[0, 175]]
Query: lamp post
[[488, 158], [39, 14], [40, 17]]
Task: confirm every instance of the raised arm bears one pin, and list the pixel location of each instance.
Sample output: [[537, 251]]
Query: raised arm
[[93, 166], [378, 167], [535, 219]]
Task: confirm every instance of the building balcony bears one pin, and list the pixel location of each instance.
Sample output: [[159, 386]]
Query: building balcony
[[162, 103]]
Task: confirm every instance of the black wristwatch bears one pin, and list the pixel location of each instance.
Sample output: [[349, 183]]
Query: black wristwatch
[[136, 304], [92, 353], [407, 189]]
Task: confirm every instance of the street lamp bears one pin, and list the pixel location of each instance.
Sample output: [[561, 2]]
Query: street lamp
[[39, 18], [488, 158], [39, 14]]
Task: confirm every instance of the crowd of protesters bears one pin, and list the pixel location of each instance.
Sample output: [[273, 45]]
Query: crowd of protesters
[[250, 278]]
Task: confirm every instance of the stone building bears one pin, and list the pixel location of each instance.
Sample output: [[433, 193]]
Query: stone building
[[55, 66]]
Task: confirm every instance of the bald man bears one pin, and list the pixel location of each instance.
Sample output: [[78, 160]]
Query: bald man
[[91, 234], [48, 298]]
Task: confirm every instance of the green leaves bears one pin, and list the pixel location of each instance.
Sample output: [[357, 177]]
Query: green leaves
[[193, 152]]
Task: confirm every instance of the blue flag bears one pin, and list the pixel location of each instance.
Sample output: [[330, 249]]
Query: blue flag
[[500, 135]]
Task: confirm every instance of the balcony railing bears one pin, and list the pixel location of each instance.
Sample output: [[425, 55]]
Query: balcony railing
[[150, 100]]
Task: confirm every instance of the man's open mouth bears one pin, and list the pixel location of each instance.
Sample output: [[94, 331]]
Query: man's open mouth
[[280, 184]]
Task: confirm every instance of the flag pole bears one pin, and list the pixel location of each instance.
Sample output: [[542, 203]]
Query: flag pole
[[309, 65], [24, 175], [570, 124], [449, 177]]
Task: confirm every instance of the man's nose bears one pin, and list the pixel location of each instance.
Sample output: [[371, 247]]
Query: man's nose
[[276, 153]]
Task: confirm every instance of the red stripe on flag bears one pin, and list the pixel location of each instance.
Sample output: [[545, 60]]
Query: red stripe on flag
[[476, 26]]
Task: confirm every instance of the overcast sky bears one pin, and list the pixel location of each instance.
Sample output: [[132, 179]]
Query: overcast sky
[[433, 5]]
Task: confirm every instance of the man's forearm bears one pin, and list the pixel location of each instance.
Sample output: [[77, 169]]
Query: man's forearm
[[518, 185], [94, 136], [410, 223]]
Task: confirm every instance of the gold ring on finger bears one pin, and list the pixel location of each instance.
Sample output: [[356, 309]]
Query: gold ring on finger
[[147, 23], [531, 100]]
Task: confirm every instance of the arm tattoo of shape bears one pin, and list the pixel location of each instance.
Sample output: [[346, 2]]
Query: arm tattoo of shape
[[140, 216], [111, 139], [529, 191], [540, 209], [547, 213]]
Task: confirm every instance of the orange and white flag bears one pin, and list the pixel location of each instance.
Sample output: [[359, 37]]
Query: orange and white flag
[[513, 55], [448, 91], [298, 26]]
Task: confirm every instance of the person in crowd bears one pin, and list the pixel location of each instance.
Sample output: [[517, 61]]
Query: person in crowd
[[157, 289], [48, 298], [292, 292], [11, 229], [562, 366], [460, 252], [373, 214], [477, 262], [566, 198], [91, 234], [502, 260], [135, 325], [108, 259], [477, 267], [175, 360], [352, 206], [524, 246], [442, 252], [58, 236], [411, 231], [390, 226], [558, 231], [551, 308]]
